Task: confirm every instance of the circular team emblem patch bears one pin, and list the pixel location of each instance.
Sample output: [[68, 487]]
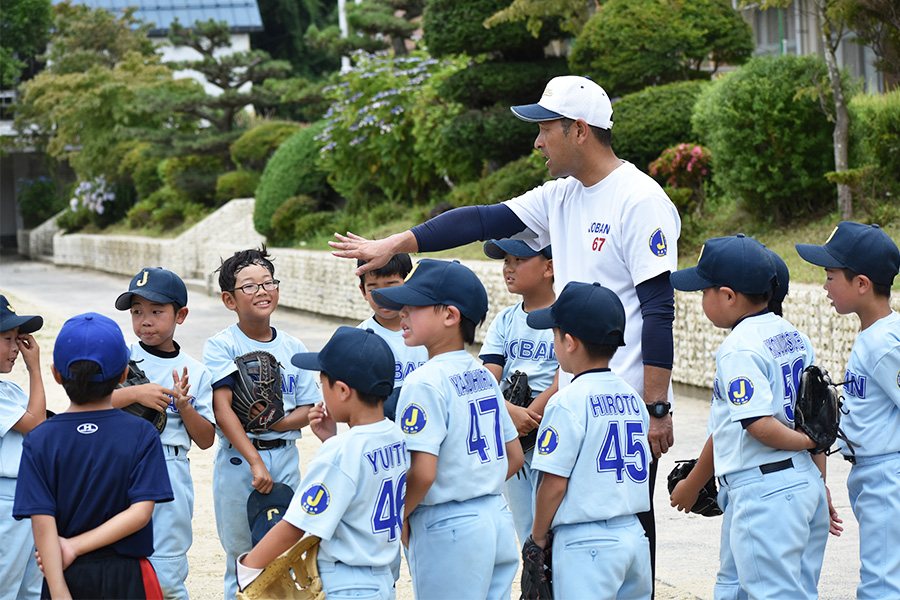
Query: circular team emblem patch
[[315, 499], [740, 390], [898, 379], [413, 419], [547, 441], [87, 428], [658, 243]]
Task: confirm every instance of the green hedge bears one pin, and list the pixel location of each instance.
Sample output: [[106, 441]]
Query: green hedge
[[251, 151], [236, 184], [647, 122], [38, 201], [508, 83], [194, 176], [292, 170], [770, 141], [875, 131], [512, 180]]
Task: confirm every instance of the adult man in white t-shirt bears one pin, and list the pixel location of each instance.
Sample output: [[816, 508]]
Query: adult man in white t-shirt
[[607, 221]]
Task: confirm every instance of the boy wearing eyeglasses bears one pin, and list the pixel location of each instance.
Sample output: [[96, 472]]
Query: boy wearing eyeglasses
[[247, 461], [178, 386]]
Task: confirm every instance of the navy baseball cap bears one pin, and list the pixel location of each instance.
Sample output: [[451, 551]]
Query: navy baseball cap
[[782, 276], [864, 249], [587, 311], [265, 510], [738, 262], [92, 337], [10, 320], [358, 357], [498, 249], [438, 282], [156, 285], [571, 97]]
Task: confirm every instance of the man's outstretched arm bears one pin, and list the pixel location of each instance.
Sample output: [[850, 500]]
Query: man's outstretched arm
[[451, 229]]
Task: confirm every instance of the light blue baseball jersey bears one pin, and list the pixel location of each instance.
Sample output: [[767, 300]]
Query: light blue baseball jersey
[[352, 496], [872, 396], [452, 407], [523, 348], [13, 406], [406, 358], [159, 370], [758, 368], [298, 386], [594, 432]]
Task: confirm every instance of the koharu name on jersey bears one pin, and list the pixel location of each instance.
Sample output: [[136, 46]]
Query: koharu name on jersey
[[471, 382], [387, 457], [526, 349], [614, 404]]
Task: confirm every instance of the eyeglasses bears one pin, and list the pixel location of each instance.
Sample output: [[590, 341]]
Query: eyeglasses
[[252, 288]]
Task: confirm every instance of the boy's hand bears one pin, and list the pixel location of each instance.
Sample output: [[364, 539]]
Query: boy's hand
[[30, 351], [523, 418], [404, 533], [153, 395], [68, 554], [684, 496], [181, 388], [262, 479], [321, 423], [834, 527]]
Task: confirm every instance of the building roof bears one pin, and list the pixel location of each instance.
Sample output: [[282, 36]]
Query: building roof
[[241, 15]]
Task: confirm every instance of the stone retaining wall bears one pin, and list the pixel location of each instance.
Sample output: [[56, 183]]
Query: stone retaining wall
[[318, 282]]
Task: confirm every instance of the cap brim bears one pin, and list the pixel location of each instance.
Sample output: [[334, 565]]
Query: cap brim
[[395, 298], [541, 318], [818, 255], [123, 302], [689, 280], [308, 361], [25, 323], [498, 249], [534, 113]]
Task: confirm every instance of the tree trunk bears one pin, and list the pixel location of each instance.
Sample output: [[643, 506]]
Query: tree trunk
[[841, 134]]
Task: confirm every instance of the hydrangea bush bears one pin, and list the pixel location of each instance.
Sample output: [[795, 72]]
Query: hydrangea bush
[[684, 166], [93, 195]]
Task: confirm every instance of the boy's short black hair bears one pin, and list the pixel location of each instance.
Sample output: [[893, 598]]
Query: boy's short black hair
[[244, 258], [594, 351], [80, 389], [400, 264], [367, 399], [757, 299], [880, 289]]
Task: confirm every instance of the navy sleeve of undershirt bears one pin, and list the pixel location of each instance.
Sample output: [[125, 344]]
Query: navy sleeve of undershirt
[[492, 359], [657, 298], [465, 225]]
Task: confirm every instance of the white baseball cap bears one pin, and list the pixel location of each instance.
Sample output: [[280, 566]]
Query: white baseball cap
[[572, 97]]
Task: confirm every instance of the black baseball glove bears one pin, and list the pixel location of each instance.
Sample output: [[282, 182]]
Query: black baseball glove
[[256, 396], [706, 504], [537, 571], [137, 377], [818, 409], [519, 394]]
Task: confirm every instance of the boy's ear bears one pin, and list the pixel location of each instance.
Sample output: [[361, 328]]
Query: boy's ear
[[863, 284], [570, 343], [730, 294], [56, 376], [452, 316], [362, 290], [548, 269], [228, 300], [181, 314], [124, 377]]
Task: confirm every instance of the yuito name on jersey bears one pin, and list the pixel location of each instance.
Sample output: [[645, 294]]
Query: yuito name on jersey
[[387, 457]]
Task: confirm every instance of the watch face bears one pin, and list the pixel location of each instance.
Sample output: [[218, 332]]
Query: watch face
[[659, 409]]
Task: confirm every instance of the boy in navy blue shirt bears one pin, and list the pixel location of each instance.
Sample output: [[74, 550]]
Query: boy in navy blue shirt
[[91, 476]]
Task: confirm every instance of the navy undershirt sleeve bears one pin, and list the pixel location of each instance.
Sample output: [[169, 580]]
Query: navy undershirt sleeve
[[227, 381], [492, 359], [465, 225], [657, 298]]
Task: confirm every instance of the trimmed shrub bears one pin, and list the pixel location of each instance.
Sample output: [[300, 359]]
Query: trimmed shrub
[[194, 176], [875, 131], [141, 165], [771, 144], [647, 122], [285, 218], [236, 184], [253, 149], [163, 209], [38, 201], [510, 181], [484, 84], [293, 169]]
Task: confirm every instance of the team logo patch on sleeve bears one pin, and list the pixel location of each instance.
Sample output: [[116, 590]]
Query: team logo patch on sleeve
[[898, 379], [740, 390], [658, 243], [413, 419], [315, 499], [547, 441]]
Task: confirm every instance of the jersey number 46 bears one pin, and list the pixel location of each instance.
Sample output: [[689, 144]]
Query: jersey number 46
[[388, 513]]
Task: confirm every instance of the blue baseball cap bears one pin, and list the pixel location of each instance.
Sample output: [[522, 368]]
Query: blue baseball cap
[[782, 276], [156, 285], [864, 249], [265, 510], [438, 282], [10, 320], [588, 311], [498, 249], [358, 357], [92, 337], [738, 262]]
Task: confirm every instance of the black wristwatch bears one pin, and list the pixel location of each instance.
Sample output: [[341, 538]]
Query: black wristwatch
[[660, 409]]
